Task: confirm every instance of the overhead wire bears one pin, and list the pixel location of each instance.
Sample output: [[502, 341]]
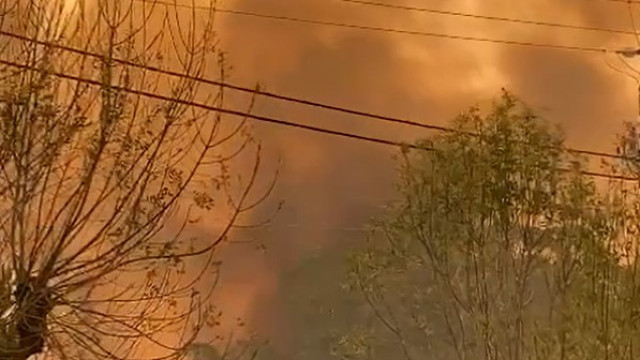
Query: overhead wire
[[622, 1], [490, 17], [344, 110], [629, 72], [228, 85], [631, 69], [272, 120], [437, 35], [622, 72], [633, 24], [591, 49], [156, 96]]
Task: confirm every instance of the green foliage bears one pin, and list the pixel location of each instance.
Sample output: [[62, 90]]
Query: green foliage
[[500, 248]]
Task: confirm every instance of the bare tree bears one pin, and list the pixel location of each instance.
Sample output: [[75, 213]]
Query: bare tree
[[103, 190]]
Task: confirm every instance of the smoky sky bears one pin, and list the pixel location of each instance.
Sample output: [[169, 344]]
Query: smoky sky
[[330, 183]]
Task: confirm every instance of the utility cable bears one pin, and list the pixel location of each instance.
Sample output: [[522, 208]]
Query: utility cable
[[623, 1], [278, 96], [300, 20], [490, 17], [216, 108], [272, 120]]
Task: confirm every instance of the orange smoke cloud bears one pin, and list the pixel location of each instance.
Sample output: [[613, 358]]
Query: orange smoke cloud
[[330, 182]]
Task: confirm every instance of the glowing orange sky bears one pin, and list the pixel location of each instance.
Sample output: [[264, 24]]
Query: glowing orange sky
[[332, 183]]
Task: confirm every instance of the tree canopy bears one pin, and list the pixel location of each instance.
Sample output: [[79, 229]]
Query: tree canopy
[[107, 171], [501, 246]]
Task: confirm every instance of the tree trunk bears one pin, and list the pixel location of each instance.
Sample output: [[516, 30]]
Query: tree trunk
[[27, 336]]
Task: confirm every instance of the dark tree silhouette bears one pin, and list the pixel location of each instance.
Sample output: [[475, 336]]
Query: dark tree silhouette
[[500, 247], [105, 192]]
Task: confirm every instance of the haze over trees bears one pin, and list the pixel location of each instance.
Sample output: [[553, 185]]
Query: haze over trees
[[501, 247], [103, 189]]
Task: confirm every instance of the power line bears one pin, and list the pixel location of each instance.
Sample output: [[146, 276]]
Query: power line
[[623, 1], [384, 29], [448, 13], [489, 17], [219, 109], [164, 2], [278, 96], [230, 86], [272, 120]]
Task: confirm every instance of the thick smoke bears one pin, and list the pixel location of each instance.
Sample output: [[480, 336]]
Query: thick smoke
[[332, 183]]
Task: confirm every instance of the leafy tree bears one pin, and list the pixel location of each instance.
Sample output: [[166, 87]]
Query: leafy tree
[[102, 189], [500, 247]]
